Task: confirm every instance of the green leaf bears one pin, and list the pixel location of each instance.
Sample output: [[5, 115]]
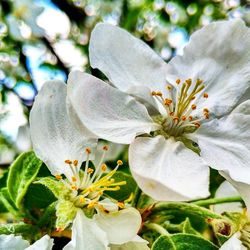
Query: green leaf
[[3, 182], [38, 196], [55, 186], [183, 242], [48, 218], [22, 172], [8, 202], [126, 190]]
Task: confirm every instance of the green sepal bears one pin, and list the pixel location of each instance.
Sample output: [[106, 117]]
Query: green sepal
[[3, 183], [22, 173], [190, 144], [55, 186], [65, 212], [183, 242], [125, 190], [49, 216]]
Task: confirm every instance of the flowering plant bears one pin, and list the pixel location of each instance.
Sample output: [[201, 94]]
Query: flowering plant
[[179, 119]]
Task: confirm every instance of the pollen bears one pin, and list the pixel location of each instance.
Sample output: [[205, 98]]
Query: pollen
[[176, 119], [88, 150], [58, 177], [168, 87], [184, 118], [82, 200], [205, 95], [105, 148], [73, 178], [168, 102], [193, 107], [197, 124], [92, 204], [159, 93], [119, 162], [178, 81], [75, 163], [121, 204], [104, 167], [189, 81], [153, 93], [90, 170], [190, 118], [74, 187], [68, 161], [205, 110]]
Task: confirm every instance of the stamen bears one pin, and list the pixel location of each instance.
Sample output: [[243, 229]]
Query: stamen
[[58, 177], [168, 102], [74, 187], [193, 106], [68, 161], [73, 178], [205, 95], [104, 167], [119, 162], [88, 150], [121, 204], [178, 81], [90, 170], [75, 163], [105, 148]]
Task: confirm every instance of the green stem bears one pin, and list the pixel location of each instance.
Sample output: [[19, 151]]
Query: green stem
[[186, 208], [217, 201], [136, 197], [157, 228]]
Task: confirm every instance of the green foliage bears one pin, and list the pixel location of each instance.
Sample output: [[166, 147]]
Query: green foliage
[[21, 174], [125, 190], [182, 242]]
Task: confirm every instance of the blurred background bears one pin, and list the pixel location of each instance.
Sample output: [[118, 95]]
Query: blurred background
[[45, 39]]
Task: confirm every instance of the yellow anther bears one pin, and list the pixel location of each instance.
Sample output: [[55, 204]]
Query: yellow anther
[[73, 178], [90, 170], [206, 115], [88, 150], [82, 199], [105, 148], [104, 167], [193, 98], [153, 93], [197, 124], [190, 118], [176, 119], [193, 107], [178, 81], [75, 163], [68, 161], [119, 162], [74, 187], [58, 177], [168, 87], [121, 204], [100, 193], [199, 81], [205, 110], [92, 204], [205, 95], [168, 102], [158, 93], [189, 81], [184, 118], [171, 113]]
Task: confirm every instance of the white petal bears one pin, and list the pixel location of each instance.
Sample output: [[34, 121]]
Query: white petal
[[242, 188], [121, 226], [109, 205], [233, 243], [227, 190], [225, 143], [54, 137], [136, 244], [45, 243], [219, 54], [12, 242], [13, 26], [124, 59], [86, 234], [167, 170], [106, 111]]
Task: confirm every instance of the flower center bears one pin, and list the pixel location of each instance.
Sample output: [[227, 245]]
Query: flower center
[[179, 107], [91, 183]]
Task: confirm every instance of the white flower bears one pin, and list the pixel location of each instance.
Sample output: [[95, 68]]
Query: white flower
[[233, 243], [23, 18], [12, 242], [107, 231], [63, 147], [194, 105]]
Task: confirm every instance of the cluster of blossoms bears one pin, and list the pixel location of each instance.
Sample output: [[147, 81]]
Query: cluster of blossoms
[[179, 119]]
